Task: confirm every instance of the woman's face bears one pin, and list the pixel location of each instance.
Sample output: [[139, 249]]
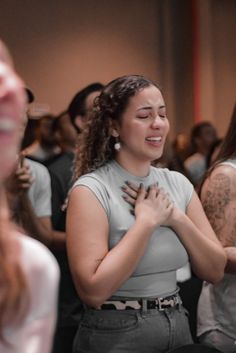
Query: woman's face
[[144, 126], [12, 106]]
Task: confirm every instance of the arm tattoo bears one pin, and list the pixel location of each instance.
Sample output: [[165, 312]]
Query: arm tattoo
[[217, 197]]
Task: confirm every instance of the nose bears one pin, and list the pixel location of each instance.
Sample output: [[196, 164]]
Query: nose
[[11, 84], [157, 122]]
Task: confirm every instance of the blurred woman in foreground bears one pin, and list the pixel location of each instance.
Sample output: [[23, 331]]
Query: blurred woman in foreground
[[28, 272]]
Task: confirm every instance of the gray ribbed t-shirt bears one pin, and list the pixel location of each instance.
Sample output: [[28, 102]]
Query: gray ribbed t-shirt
[[155, 274]]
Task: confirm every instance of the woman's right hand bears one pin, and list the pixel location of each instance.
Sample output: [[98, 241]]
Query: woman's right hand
[[153, 206]]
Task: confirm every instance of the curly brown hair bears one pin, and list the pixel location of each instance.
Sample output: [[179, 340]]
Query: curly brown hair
[[96, 145]]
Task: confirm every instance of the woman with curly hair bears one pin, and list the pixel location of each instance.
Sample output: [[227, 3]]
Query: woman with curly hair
[[130, 226], [28, 272]]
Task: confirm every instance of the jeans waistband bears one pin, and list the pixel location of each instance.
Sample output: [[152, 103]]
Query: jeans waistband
[[143, 303]]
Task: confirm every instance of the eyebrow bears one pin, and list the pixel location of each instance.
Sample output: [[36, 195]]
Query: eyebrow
[[149, 107]]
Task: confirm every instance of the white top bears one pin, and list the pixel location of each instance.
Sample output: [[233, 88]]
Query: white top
[[35, 333]]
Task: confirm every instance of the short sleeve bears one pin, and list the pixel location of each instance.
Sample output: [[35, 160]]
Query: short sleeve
[[40, 191], [96, 185], [179, 187], [185, 187]]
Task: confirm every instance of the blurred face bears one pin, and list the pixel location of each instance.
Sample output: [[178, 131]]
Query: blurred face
[[12, 106], [67, 131], [208, 136], [45, 133], [144, 127]]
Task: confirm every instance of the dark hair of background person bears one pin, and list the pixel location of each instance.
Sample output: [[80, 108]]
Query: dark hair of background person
[[29, 95], [228, 146], [77, 104], [196, 133], [57, 120], [31, 124], [95, 148], [215, 146]]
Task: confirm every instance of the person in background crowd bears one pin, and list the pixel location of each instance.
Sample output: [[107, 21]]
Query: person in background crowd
[[66, 129], [217, 303], [203, 135], [69, 305], [29, 194], [81, 105], [180, 151], [44, 149], [29, 273], [130, 226]]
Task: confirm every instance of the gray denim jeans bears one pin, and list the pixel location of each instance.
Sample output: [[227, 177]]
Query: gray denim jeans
[[136, 331], [219, 340]]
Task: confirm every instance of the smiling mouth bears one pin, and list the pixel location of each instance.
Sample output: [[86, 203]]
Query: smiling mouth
[[154, 139]]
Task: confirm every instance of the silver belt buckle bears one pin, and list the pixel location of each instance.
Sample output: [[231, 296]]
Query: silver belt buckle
[[162, 302], [159, 304]]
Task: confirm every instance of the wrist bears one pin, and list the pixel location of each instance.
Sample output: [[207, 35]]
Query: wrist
[[178, 218], [146, 223]]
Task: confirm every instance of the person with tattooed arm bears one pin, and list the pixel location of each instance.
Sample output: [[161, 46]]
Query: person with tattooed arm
[[217, 303]]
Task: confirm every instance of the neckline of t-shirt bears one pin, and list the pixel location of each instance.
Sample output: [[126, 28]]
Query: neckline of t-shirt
[[127, 175]]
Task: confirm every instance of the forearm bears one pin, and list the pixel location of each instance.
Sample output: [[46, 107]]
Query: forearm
[[58, 239], [206, 255], [231, 260], [116, 266]]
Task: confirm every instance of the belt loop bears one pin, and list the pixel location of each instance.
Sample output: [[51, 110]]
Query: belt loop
[[179, 303], [144, 304]]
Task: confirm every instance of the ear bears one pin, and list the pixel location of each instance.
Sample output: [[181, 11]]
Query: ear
[[79, 122], [114, 129]]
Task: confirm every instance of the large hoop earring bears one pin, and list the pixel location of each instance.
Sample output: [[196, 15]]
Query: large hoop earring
[[117, 145]]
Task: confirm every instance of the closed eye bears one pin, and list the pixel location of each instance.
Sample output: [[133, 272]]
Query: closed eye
[[143, 117]]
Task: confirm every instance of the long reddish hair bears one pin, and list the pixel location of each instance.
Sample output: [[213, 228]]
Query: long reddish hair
[[13, 284]]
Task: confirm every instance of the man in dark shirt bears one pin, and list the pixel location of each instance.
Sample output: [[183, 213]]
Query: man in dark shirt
[[66, 127]]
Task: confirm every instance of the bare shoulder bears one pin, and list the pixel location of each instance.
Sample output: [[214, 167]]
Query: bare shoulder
[[222, 180]]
